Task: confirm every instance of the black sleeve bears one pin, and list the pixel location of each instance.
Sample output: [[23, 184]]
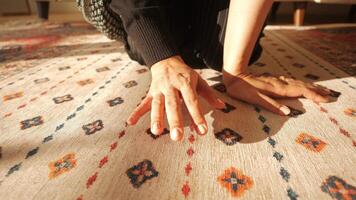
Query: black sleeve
[[145, 23]]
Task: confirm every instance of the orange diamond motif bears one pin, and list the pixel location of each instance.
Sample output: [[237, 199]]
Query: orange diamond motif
[[13, 96], [235, 182], [85, 82], [64, 164], [310, 142]]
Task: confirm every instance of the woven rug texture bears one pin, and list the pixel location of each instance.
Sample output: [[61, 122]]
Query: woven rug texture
[[66, 92]]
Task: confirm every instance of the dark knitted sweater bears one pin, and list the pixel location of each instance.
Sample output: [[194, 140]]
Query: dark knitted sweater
[[147, 23], [153, 30]]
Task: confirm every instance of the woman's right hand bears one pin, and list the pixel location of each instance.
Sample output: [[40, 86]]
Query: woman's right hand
[[172, 82]]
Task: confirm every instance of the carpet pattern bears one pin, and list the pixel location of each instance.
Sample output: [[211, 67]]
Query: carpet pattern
[[335, 45], [25, 44], [64, 136]]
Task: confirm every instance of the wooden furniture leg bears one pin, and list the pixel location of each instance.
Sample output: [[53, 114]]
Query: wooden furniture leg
[[299, 12], [274, 10], [352, 12], [42, 9]]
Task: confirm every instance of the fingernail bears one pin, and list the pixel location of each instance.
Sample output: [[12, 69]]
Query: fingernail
[[285, 110], [177, 134], [155, 128], [202, 129], [128, 121], [221, 103]]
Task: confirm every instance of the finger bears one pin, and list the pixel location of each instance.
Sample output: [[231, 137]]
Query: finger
[[272, 105], [192, 103], [253, 96], [140, 110], [321, 89], [173, 112], [157, 114], [314, 96], [271, 86], [192, 125], [209, 94]]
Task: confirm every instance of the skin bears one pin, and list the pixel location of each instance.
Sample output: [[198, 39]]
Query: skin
[[249, 16], [174, 84]]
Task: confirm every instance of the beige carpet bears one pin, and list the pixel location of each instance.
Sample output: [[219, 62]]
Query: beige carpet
[[63, 133]]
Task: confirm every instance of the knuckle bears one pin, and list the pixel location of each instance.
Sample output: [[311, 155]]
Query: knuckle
[[192, 100], [156, 101], [281, 90], [174, 124], [156, 97], [185, 82], [168, 91], [172, 103], [198, 119]]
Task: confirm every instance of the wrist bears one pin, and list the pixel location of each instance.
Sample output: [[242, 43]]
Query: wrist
[[170, 61], [236, 67], [230, 74]]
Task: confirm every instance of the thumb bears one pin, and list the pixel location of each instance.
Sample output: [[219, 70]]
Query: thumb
[[204, 90]]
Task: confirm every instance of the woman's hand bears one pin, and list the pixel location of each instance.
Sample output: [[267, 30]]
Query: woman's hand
[[258, 90], [172, 81]]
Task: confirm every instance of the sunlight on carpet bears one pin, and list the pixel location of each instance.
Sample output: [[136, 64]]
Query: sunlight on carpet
[[66, 92]]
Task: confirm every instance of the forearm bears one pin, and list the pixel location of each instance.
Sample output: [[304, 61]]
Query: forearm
[[146, 25], [244, 24]]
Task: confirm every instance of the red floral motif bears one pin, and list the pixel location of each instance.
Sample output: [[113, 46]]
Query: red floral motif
[[190, 152], [333, 120], [21, 106], [344, 132], [191, 139], [113, 146], [121, 134], [92, 179], [186, 189], [103, 161], [188, 168]]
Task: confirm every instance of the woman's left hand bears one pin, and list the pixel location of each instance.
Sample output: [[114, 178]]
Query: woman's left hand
[[258, 90]]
